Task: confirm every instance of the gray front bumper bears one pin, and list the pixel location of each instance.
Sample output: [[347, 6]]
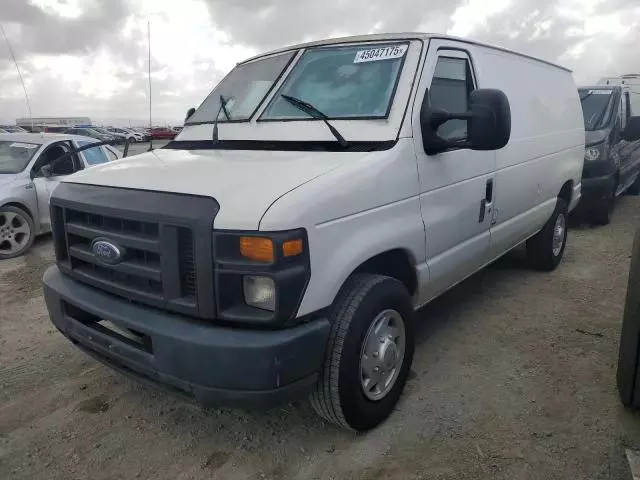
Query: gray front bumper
[[216, 365]]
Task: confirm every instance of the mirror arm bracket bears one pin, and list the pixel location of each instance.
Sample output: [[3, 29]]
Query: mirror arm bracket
[[440, 117]]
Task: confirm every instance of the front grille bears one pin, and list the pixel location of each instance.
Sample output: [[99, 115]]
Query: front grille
[[159, 251], [186, 260], [140, 268]]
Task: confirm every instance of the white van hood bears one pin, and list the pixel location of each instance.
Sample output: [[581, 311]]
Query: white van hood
[[244, 183]]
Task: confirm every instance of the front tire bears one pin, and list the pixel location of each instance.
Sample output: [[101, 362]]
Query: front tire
[[17, 232], [634, 189], [545, 249], [602, 213], [368, 355]]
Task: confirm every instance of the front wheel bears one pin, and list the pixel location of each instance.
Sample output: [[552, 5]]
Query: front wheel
[[16, 232], [602, 213], [369, 353], [545, 249], [634, 189]]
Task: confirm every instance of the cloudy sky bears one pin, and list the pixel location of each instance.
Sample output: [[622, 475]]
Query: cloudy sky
[[89, 57]]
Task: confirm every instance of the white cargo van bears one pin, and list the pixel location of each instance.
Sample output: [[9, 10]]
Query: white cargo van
[[322, 192]]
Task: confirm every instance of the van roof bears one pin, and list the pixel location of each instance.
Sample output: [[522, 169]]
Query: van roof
[[630, 79], [599, 87], [397, 36]]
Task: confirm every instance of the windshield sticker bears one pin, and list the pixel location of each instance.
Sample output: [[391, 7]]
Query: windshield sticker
[[30, 146], [377, 54], [600, 92]]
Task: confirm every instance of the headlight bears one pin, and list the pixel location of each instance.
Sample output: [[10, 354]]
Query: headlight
[[592, 153], [260, 277], [259, 292]]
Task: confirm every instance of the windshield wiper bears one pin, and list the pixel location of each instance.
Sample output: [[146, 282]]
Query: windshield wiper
[[223, 108], [315, 113]]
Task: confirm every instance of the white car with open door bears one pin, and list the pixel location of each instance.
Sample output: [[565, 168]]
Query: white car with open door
[[31, 165]]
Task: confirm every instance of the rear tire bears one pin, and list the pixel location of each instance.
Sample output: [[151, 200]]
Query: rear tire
[[345, 395], [546, 248]]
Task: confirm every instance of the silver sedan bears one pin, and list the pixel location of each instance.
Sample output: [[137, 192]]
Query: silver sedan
[[31, 165]]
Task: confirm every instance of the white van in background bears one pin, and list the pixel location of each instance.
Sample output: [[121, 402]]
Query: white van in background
[[279, 246]]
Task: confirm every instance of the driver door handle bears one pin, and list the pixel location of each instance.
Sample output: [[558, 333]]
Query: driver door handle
[[487, 201]]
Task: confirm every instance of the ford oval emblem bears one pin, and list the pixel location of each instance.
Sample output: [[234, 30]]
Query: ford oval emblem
[[107, 251]]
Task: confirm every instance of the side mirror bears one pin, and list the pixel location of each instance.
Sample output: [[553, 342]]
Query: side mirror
[[190, 112], [488, 123], [46, 172], [631, 133]]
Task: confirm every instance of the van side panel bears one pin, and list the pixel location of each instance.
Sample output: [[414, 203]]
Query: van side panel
[[546, 148]]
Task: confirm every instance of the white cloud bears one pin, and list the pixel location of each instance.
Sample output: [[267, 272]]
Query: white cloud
[[63, 8], [474, 14]]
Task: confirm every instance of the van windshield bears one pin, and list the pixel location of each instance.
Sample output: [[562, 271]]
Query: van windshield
[[594, 107], [243, 89], [343, 82], [15, 156]]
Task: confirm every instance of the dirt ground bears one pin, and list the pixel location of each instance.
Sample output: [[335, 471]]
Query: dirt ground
[[513, 378]]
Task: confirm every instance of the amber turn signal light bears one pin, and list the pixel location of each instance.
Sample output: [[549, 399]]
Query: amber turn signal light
[[257, 248], [291, 248]]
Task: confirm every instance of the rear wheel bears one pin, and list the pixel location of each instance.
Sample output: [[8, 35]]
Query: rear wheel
[[369, 353], [16, 232], [601, 213], [545, 249]]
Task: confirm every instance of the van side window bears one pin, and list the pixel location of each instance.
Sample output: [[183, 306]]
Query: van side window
[[633, 103], [450, 88], [624, 112]]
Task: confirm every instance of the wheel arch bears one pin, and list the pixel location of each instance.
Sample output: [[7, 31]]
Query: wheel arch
[[398, 263], [566, 192], [19, 205]]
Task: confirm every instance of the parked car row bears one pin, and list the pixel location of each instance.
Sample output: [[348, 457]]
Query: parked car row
[[130, 134], [11, 129], [164, 133], [98, 133], [116, 135]]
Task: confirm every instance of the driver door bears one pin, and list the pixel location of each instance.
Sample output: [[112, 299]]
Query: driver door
[[456, 186], [57, 169]]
